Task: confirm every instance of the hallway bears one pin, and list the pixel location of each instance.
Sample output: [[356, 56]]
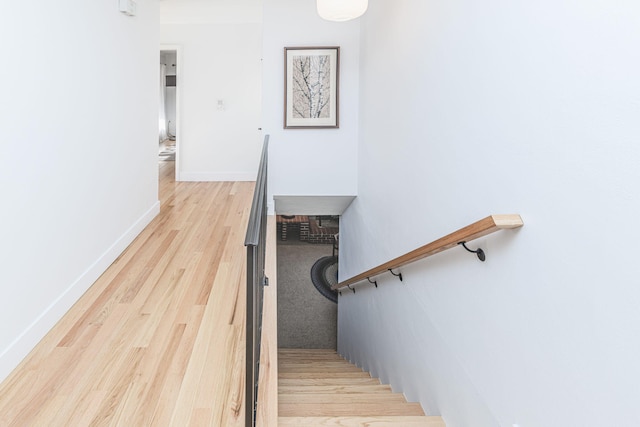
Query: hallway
[[159, 338]]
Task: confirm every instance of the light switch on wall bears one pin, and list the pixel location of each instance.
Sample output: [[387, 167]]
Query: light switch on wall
[[220, 104], [128, 7]]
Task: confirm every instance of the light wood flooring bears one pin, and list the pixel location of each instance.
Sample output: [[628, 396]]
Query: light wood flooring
[[158, 340]]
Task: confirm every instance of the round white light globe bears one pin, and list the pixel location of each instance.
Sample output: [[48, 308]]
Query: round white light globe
[[341, 10]]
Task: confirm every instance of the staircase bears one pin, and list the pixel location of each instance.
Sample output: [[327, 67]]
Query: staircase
[[319, 388]]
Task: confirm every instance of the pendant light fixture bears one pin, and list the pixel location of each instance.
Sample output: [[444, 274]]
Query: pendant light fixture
[[341, 10]]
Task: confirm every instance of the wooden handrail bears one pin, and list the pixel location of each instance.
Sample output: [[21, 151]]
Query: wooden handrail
[[474, 231]]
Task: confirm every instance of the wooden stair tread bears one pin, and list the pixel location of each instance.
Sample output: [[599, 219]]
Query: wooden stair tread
[[345, 409], [344, 398], [308, 355], [305, 360], [328, 381], [328, 358], [310, 363], [320, 357], [335, 389], [319, 368], [327, 375], [305, 353], [386, 421]]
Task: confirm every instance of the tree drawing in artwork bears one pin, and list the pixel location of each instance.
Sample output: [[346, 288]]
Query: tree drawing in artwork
[[311, 86]]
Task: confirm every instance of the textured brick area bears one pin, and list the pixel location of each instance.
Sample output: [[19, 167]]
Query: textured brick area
[[304, 231], [297, 222], [319, 234], [309, 229]]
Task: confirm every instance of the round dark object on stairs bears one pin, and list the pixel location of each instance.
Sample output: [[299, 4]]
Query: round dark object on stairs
[[324, 274]]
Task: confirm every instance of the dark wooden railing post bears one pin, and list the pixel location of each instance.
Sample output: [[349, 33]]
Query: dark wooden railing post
[[255, 241]]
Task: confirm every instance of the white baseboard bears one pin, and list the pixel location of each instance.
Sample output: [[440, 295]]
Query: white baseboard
[[15, 352], [218, 176]]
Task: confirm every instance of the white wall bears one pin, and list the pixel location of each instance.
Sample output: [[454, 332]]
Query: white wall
[[79, 150], [473, 108], [309, 162], [220, 61], [210, 12]]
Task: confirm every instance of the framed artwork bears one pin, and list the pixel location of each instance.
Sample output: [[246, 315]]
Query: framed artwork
[[311, 87]]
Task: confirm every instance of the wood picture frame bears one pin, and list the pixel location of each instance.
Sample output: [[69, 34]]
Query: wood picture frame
[[311, 83]]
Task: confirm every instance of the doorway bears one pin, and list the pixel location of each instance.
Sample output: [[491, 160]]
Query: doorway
[[169, 121]]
